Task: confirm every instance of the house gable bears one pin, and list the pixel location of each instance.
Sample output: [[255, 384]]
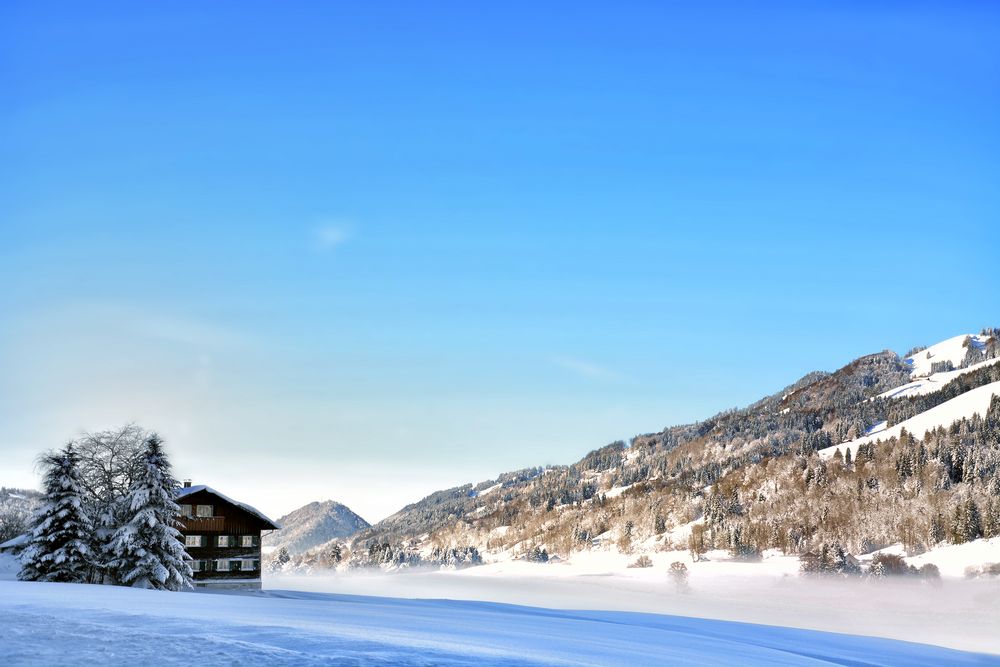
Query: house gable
[[222, 537]]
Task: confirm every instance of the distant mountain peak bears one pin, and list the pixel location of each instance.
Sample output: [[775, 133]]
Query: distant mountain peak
[[313, 524]]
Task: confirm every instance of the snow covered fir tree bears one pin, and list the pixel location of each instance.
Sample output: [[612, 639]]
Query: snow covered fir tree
[[59, 548], [146, 551]]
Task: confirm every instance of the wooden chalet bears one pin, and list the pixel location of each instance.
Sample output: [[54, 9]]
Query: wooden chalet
[[222, 536]]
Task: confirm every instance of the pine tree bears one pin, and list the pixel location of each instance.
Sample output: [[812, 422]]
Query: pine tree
[[146, 551], [113, 515], [280, 559], [59, 549], [973, 521]]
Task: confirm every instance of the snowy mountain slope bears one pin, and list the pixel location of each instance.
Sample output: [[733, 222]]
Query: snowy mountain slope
[[934, 381], [314, 524], [951, 350], [92, 625], [751, 475], [972, 402]]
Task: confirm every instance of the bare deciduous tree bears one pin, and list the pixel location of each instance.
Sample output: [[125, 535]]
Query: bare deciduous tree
[[110, 462]]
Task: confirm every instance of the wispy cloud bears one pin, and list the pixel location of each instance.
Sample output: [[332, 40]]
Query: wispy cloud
[[586, 369], [120, 321], [331, 235]]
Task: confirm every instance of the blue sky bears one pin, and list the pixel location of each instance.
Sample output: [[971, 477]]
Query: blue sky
[[368, 250]]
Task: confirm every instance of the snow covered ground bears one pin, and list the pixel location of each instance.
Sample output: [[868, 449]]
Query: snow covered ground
[[932, 383], [964, 614], [952, 559], [46, 624], [947, 350]]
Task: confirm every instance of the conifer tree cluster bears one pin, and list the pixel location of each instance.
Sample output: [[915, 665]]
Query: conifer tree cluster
[[133, 541]]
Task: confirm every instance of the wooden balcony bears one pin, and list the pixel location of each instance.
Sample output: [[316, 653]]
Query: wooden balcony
[[202, 524]]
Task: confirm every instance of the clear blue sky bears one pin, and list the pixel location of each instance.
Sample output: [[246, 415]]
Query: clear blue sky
[[367, 250]]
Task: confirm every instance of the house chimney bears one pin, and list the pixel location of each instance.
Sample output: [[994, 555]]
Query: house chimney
[[187, 484]]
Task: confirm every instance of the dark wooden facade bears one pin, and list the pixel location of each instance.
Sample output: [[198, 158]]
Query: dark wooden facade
[[222, 537]]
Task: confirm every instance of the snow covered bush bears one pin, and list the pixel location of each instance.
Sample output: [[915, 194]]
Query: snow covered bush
[[678, 573], [537, 555], [829, 559], [890, 565], [642, 562], [984, 570], [146, 551]]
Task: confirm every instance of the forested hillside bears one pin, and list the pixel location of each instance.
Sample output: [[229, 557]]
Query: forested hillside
[[16, 507], [745, 480]]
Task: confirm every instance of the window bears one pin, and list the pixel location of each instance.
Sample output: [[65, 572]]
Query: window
[[222, 565], [198, 566], [250, 565], [204, 511], [192, 540], [246, 541], [225, 541], [186, 511]]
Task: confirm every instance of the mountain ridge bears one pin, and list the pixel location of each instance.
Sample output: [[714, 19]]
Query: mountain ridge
[[313, 524], [721, 471]]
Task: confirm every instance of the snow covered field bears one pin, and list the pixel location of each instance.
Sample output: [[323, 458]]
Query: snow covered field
[[964, 615], [950, 350], [46, 624]]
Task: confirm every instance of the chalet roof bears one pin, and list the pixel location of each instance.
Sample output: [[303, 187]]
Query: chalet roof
[[188, 490]]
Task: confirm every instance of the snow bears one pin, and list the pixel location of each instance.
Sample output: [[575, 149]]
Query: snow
[[9, 566], [964, 614], [971, 402], [932, 383], [20, 540], [951, 559], [188, 490], [616, 491], [877, 428], [947, 350], [101, 625], [681, 533]]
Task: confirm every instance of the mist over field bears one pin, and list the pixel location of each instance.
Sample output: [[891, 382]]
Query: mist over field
[[954, 613]]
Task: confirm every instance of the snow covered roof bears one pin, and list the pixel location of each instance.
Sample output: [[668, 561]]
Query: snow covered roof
[[15, 542], [188, 490]]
